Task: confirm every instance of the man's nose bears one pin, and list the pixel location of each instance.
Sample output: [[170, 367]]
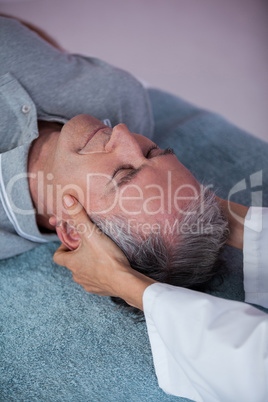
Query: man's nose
[[122, 140]]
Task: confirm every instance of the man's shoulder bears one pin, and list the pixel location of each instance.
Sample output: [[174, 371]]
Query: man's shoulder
[[9, 26]]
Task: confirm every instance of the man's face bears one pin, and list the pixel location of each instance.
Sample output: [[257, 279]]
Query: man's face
[[114, 172]]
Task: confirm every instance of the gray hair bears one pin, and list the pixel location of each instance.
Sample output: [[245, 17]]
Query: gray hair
[[185, 253]]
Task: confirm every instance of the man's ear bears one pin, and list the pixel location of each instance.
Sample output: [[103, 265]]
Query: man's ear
[[68, 235]]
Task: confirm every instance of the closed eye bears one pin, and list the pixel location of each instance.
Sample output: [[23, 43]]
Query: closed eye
[[131, 172], [149, 152], [121, 168], [160, 152]]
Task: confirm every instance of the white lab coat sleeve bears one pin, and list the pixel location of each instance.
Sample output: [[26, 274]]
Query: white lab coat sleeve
[[206, 348], [256, 256]]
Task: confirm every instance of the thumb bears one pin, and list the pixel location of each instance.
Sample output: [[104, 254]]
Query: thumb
[[61, 255], [79, 218]]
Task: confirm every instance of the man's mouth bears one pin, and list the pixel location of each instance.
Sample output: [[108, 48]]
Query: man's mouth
[[88, 148], [91, 135]]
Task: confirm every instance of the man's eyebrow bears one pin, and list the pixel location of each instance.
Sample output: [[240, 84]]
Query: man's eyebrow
[[134, 172]]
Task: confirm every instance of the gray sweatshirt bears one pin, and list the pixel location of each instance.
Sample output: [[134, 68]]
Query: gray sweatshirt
[[39, 82]]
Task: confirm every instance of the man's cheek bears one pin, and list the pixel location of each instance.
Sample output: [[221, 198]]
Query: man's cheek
[[101, 194], [130, 200]]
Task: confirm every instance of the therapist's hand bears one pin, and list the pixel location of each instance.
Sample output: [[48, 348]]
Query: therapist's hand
[[98, 264]]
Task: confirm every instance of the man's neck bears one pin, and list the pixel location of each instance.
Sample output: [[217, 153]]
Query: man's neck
[[37, 162]]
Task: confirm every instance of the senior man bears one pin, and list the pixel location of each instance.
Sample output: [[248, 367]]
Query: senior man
[[51, 144]]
